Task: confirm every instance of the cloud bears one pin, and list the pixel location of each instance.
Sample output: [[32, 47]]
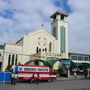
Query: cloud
[[79, 26], [17, 17]]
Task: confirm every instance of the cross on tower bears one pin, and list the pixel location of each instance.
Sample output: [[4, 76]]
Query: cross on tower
[[42, 25]]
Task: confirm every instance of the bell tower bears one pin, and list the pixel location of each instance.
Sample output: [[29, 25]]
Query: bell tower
[[59, 29]]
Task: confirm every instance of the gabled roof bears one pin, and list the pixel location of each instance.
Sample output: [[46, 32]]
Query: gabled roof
[[1, 46], [58, 12], [40, 31]]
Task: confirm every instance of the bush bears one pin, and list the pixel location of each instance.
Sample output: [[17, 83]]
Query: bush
[[62, 71], [9, 68]]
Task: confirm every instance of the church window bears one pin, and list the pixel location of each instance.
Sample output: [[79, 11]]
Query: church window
[[46, 49], [36, 49], [16, 59], [62, 17], [62, 36], [50, 47], [39, 49], [54, 32], [12, 59], [9, 58], [54, 18]]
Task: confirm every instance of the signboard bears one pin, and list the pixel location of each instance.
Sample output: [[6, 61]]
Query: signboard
[[65, 63]]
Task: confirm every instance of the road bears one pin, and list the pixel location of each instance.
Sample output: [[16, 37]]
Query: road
[[58, 85]]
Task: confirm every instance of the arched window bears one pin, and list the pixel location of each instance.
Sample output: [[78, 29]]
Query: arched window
[[50, 47], [9, 58], [46, 49], [54, 32], [39, 50], [42, 49], [12, 59], [16, 59], [62, 17], [63, 40], [36, 49]]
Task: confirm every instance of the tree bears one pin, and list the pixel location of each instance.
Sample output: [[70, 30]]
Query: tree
[[62, 70]]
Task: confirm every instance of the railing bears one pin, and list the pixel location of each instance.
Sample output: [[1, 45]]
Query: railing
[[45, 55]]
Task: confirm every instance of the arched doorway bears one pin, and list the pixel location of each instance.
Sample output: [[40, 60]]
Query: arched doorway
[[38, 62]]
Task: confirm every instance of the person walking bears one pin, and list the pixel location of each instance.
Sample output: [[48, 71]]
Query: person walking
[[33, 79], [14, 79], [12, 82], [37, 79], [85, 73], [75, 75]]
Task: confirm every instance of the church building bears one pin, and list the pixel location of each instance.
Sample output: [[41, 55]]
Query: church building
[[39, 44]]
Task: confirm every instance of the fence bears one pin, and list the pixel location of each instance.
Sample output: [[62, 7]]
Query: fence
[[5, 77]]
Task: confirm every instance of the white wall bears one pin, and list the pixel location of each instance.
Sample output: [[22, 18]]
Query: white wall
[[31, 41], [11, 49]]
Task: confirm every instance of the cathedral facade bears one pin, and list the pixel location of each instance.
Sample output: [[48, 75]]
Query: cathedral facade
[[39, 44]]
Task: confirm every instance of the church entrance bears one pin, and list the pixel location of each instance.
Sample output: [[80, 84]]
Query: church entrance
[[36, 62]]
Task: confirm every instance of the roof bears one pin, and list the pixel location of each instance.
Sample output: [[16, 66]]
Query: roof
[[52, 61], [19, 40], [58, 12], [43, 61], [86, 65], [79, 54], [1, 46]]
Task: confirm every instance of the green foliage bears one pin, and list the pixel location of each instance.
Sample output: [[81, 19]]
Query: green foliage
[[19, 63], [9, 68], [62, 71]]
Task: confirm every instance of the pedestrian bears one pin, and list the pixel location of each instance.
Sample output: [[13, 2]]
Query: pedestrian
[[75, 75], [85, 73], [15, 79], [33, 79], [12, 81], [37, 79]]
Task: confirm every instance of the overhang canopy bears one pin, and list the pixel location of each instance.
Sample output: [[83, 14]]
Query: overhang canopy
[[86, 65], [52, 61], [43, 61]]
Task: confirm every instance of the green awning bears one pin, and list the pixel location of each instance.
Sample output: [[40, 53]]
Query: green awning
[[43, 61], [86, 65], [73, 65], [52, 61]]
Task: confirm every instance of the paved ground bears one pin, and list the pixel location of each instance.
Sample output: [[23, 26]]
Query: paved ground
[[58, 85], [71, 78]]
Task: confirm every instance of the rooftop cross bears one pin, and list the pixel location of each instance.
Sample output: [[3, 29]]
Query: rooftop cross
[[42, 25]]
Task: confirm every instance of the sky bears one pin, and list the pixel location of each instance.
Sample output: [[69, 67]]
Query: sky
[[18, 17]]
